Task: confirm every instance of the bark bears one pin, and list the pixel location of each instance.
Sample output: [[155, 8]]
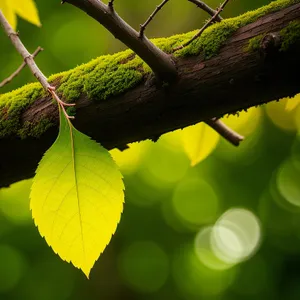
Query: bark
[[233, 80]]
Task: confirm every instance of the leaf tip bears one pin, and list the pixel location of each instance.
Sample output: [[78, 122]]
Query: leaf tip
[[86, 272]]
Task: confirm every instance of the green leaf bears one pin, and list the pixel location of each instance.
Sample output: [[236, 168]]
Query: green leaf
[[199, 141], [24, 8], [292, 103], [77, 197]]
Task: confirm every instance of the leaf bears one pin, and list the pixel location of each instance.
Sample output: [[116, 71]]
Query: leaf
[[281, 116], [77, 197], [24, 8], [199, 141], [245, 122], [7, 9], [292, 103]]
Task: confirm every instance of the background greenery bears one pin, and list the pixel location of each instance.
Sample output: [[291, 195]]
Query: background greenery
[[160, 248]]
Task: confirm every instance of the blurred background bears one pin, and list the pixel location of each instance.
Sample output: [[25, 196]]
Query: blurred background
[[202, 219]]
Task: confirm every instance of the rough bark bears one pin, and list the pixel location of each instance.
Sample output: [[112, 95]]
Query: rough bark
[[233, 80]]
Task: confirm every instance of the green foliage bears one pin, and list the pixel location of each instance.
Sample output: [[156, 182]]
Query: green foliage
[[24, 8], [77, 197]]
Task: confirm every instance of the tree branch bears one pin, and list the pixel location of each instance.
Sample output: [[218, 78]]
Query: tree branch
[[258, 63], [29, 60], [225, 131], [111, 4], [157, 9], [207, 9], [161, 63], [208, 23], [18, 71]]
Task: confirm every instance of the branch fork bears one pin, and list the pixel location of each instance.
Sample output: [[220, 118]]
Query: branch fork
[[29, 61], [161, 63]]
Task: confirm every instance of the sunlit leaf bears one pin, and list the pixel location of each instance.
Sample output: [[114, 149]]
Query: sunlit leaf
[[77, 197], [244, 123], [199, 141], [292, 103], [282, 118], [24, 8], [7, 8], [27, 10], [129, 159]]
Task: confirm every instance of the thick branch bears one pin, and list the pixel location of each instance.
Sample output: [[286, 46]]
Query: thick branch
[[238, 77], [160, 62]]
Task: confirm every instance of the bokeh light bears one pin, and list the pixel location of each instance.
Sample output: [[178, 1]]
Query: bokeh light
[[288, 182], [159, 169], [144, 266], [14, 202], [195, 201], [129, 159], [195, 280], [295, 151], [48, 279], [236, 235], [84, 47], [12, 267], [280, 116], [205, 253], [247, 124]]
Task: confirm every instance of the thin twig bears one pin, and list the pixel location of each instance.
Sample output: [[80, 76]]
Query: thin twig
[[18, 71], [198, 34], [157, 9], [161, 63], [28, 59], [207, 9], [111, 4], [226, 132]]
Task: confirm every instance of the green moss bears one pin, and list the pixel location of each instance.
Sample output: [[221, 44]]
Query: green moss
[[290, 35], [111, 75], [13, 104], [215, 36], [102, 77], [254, 43], [36, 129]]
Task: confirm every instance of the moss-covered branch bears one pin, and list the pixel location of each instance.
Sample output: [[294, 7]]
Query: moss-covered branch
[[224, 71]]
